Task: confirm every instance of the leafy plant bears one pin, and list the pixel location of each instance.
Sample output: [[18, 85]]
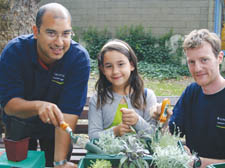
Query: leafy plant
[[101, 164], [134, 153], [171, 157], [157, 60], [130, 146], [166, 151], [162, 71], [94, 40], [147, 47], [110, 144]]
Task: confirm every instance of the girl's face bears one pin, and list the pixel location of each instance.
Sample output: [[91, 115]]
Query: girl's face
[[117, 69]]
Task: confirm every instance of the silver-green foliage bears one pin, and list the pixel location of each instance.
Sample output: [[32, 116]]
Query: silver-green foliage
[[129, 145], [134, 152], [171, 157], [110, 144], [101, 164], [167, 153]]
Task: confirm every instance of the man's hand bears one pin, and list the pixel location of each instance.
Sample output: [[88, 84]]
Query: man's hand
[[67, 165], [129, 117], [121, 129], [49, 113], [156, 111]]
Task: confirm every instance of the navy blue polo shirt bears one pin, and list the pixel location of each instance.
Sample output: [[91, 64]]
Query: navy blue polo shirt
[[64, 84], [201, 118]]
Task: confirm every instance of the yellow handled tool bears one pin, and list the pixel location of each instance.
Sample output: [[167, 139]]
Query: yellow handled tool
[[163, 115]]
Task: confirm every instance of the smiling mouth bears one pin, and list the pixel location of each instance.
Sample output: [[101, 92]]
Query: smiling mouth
[[115, 78], [199, 75], [57, 51]]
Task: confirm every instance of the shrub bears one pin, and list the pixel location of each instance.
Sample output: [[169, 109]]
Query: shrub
[[156, 60]]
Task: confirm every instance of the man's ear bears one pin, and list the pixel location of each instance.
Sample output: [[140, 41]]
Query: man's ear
[[220, 57], [35, 31]]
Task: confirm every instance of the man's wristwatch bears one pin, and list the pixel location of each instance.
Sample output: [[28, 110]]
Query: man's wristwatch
[[197, 162], [60, 163]]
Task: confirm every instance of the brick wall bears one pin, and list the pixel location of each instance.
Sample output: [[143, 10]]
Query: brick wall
[[159, 15]]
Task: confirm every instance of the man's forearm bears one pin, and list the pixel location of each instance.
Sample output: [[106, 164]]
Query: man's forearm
[[208, 161], [21, 108], [62, 138], [62, 143]]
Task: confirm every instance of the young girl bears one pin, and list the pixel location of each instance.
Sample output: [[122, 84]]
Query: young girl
[[121, 102]]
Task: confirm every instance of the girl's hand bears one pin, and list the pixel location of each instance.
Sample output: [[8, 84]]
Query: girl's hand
[[155, 111], [121, 129], [130, 117]]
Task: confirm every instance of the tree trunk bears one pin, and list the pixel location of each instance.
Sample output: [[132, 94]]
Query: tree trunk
[[16, 18]]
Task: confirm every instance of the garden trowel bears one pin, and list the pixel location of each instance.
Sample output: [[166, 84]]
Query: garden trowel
[[81, 141]]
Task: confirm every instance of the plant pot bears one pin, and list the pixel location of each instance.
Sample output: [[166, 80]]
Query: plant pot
[[16, 150]]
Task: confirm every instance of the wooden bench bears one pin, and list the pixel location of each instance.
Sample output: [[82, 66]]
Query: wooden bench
[[82, 126]]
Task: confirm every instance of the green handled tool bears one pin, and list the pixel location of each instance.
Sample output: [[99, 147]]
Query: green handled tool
[[80, 141]]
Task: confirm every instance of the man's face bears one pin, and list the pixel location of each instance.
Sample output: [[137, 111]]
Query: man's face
[[54, 36], [203, 65]]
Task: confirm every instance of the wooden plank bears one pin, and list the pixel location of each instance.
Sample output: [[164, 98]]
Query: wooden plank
[[84, 114], [76, 159], [78, 151], [81, 129]]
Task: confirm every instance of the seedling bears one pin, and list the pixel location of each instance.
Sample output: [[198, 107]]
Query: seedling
[[101, 164]]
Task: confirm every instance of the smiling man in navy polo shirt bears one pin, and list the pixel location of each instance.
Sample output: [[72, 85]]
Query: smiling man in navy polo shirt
[[200, 111], [43, 81]]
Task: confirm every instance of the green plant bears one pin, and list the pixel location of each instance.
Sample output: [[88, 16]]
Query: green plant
[[134, 153], [153, 53], [171, 157], [94, 40], [130, 146], [110, 144], [179, 52], [147, 47], [167, 152], [162, 71], [101, 164]]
